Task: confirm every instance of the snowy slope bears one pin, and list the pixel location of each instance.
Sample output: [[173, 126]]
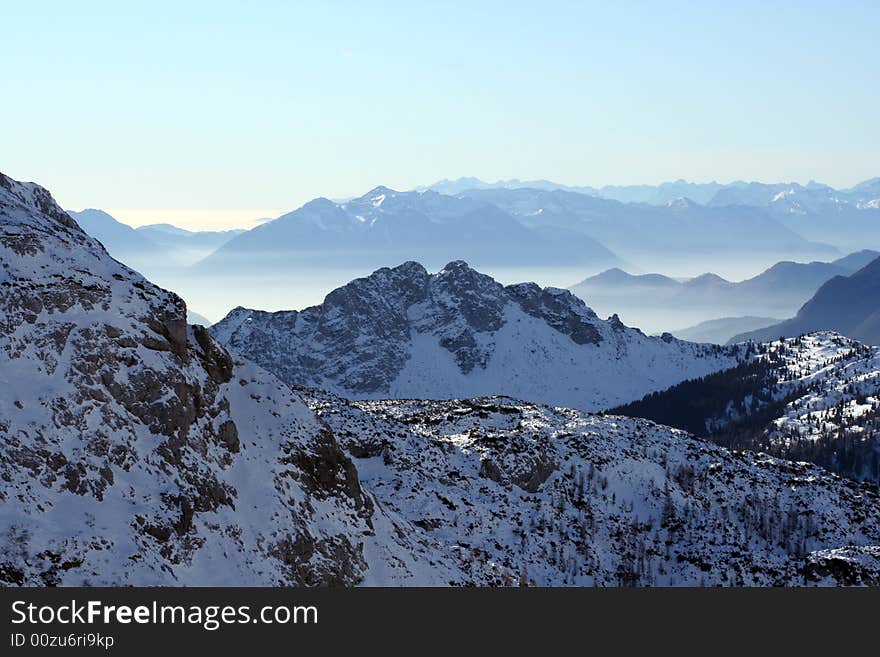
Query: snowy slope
[[560, 497], [836, 400], [405, 333], [814, 398]]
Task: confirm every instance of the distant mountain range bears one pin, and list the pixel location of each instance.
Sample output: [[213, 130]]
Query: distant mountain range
[[385, 225], [403, 332], [658, 300], [188, 246], [541, 231], [647, 233], [847, 304], [796, 198], [738, 192], [847, 219], [146, 246], [651, 194], [121, 240]]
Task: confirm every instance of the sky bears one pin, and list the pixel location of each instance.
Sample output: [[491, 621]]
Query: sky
[[216, 114]]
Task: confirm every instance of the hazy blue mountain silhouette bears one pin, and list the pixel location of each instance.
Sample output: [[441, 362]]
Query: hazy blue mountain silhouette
[[847, 304], [385, 225]]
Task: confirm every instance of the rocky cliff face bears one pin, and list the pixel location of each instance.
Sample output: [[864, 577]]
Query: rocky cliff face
[[403, 332], [134, 449]]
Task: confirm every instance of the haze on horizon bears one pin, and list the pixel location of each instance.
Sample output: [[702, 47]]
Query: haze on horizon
[[212, 115]]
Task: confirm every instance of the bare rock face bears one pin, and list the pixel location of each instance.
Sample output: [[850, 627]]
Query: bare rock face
[[560, 309], [846, 566]]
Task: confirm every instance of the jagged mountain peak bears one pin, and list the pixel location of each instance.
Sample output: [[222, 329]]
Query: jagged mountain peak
[[403, 332], [44, 209], [459, 273], [378, 191]]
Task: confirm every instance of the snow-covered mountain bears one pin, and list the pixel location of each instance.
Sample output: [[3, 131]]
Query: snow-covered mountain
[[454, 187], [195, 318], [738, 192], [553, 496], [845, 218], [651, 194], [814, 397], [389, 226], [762, 194], [135, 450], [794, 198], [405, 333], [645, 233], [661, 194]]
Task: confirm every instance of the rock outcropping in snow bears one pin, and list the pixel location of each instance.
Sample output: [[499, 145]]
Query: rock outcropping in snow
[[135, 450], [527, 493], [405, 333]]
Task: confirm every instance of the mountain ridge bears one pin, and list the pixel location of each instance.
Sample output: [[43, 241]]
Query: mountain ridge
[[383, 335], [385, 224], [777, 291], [811, 398], [843, 304], [733, 193]]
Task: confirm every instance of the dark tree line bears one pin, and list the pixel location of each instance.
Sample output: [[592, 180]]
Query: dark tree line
[[735, 408]]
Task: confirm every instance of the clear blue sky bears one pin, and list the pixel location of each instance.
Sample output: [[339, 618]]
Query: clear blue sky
[[217, 113]]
